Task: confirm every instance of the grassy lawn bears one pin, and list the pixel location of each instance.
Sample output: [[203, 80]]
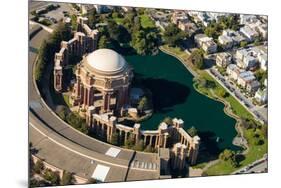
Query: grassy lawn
[[146, 22], [255, 152], [177, 51], [66, 99]]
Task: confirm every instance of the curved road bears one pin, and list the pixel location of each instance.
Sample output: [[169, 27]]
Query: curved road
[[45, 121]]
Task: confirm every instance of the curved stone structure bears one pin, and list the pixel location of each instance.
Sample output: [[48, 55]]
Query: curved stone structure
[[103, 78]]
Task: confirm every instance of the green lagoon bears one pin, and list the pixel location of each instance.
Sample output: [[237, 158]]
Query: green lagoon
[[174, 96]]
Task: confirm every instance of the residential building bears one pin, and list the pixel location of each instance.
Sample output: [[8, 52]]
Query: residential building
[[206, 43], [233, 71], [236, 36], [247, 19], [225, 41], [223, 59], [249, 33], [246, 58], [261, 96], [253, 86], [245, 78], [178, 16], [187, 26]]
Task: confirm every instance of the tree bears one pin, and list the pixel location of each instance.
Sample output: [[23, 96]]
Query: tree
[[143, 104], [243, 44], [192, 131], [226, 155], [145, 41], [118, 32], [67, 178], [222, 93], [130, 142], [115, 139], [168, 120], [173, 36], [197, 58], [51, 176], [103, 42], [39, 166]]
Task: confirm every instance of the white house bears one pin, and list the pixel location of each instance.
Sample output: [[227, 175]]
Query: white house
[[225, 41], [223, 59], [233, 71], [261, 96], [245, 78], [249, 33], [206, 43]]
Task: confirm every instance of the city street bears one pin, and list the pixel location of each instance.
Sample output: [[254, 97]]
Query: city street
[[255, 167]]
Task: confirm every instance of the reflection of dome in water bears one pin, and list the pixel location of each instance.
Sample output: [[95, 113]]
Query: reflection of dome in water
[[106, 60]]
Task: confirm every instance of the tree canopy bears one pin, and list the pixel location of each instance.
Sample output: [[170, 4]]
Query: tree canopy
[[197, 58], [173, 36]]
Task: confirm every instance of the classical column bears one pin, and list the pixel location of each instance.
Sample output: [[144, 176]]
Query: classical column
[[90, 94], [108, 133], [105, 101], [85, 96], [156, 141], [108, 100], [126, 137], [165, 140], [150, 141], [181, 139], [144, 140]]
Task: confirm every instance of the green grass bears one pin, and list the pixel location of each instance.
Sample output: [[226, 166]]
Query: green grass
[[255, 152], [66, 99], [146, 21]]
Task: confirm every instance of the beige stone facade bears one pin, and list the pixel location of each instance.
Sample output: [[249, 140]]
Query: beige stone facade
[[182, 146], [84, 41], [102, 82]]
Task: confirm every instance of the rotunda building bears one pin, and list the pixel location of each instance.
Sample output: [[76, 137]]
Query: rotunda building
[[103, 78]]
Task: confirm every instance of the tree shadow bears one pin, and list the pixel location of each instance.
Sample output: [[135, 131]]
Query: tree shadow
[[165, 93], [209, 146]]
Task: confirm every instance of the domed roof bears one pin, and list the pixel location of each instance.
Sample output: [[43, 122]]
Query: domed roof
[[106, 60]]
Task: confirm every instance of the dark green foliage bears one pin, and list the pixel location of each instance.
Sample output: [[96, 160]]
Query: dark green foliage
[[168, 120], [192, 131], [197, 58], [51, 176], [67, 178], [173, 36], [39, 166], [115, 139]]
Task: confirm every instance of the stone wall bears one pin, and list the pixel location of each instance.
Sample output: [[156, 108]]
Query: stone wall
[[182, 146], [84, 41]]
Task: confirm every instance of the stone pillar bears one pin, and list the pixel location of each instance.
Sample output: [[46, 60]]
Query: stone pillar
[[108, 101], [165, 140], [108, 134], [90, 96], [85, 96], [105, 101], [156, 141], [126, 137], [150, 140], [181, 139], [144, 140], [194, 150]]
